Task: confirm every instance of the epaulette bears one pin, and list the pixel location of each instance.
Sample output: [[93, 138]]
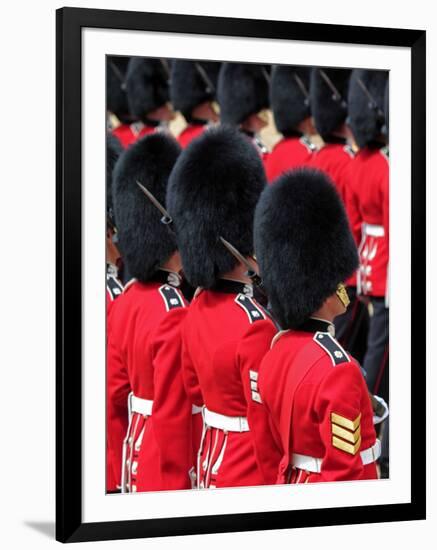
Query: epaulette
[[305, 140], [172, 298], [348, 149], [114, 287], [384, 152], [136, 128], [260, 145], [254, 311], [332, 348]]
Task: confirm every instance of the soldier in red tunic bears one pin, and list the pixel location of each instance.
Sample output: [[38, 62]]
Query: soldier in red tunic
[[193, 92], [168, 454], [243, 96], [147, 92], [320, 412], [114, 286], [290, 100], [370, 185], [328, 91], [212, 194], [328, 100], [119, 117], [149, 250], [370, 188]]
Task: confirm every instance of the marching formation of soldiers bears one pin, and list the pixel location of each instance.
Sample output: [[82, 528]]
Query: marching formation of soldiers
[[247, 286]]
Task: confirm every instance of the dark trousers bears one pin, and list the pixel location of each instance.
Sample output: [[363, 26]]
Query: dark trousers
[[376, 359], [376, 366]]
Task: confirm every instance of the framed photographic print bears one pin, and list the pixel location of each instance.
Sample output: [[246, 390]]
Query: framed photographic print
[[236, 257]]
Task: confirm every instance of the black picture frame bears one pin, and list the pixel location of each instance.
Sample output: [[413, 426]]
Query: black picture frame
[[69, 24]]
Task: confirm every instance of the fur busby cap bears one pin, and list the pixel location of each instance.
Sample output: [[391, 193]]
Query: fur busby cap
[[385, 128], [328, 99], [116, 98], [147, 85], [243, 90], [366, 105], [212, 193], [192, 83], [113, 151], [303, 244], [145, 242], [289, 97]]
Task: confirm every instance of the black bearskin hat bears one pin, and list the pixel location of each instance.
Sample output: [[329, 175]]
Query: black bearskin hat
[[289, 97], [147, 85], [192, 83], [303, 244], [366, 105], [243, 90], [113, 151], [212, 193], [328, 99], [145, 242], [116, 98], [386, 109]]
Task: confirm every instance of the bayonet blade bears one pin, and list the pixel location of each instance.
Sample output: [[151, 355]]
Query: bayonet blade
[[166, 218], [236, 254], [330, 84], [372, 103], [206, 80], [251, 273], [301, 85]]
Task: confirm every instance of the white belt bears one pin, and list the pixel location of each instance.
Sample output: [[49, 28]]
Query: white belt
[[227, 423], [144, 406], [311, 464], [141, 406], [373, 230]]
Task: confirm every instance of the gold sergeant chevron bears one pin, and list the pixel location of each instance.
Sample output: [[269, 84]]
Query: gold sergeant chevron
[[346, 433]]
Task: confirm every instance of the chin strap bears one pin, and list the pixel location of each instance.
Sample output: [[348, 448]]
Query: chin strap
[[342, 295]]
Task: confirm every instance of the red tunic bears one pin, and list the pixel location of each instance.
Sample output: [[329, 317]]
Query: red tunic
[[114, 289], [134, 317], [251, 351], [319, 406], [336, 160], [129, 133], [171, 439], [189, 133], [214, 325], [370, 189], [289, 153]]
